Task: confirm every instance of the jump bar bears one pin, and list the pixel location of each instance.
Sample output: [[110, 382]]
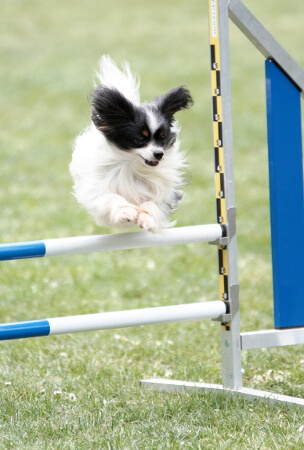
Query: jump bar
[[102, 243], [111, 320]]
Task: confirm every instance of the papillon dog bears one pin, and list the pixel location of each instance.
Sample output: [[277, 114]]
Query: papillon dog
[[126, 166]]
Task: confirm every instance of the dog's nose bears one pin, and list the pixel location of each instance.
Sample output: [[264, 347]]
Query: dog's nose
[[158, 155]]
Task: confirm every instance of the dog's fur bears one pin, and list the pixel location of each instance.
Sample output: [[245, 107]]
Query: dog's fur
[[126, 166]]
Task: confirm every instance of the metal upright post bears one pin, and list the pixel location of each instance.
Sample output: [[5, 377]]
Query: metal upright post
[[225, 195], [226, 217]]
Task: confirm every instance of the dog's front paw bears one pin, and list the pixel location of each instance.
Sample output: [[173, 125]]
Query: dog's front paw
[[125, 214], [149, 217], [147, 222]]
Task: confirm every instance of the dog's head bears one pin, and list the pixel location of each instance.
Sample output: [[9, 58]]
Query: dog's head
[[146, 129]]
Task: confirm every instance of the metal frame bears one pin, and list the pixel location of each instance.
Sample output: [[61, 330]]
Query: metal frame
[[272, 338], [232, 340], [260, 37], [247, 393], [270, 49]]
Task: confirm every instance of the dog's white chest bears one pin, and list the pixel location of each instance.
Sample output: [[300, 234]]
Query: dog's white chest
[[132, 187]]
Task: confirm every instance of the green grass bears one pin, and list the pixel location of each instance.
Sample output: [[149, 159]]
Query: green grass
[[81, 391]]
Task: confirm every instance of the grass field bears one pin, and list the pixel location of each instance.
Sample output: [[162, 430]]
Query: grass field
[[81, 391]]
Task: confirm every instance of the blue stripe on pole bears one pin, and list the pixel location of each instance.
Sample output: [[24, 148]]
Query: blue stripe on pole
[[32, 249], [286, 196], [18, 330]]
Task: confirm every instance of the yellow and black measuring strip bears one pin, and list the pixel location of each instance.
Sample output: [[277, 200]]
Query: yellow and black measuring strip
[[218, 147]]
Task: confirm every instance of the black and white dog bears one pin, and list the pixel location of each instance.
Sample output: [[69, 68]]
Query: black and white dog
[[126, 166]]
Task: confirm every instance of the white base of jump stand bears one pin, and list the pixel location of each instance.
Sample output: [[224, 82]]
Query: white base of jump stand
[[247, 393]]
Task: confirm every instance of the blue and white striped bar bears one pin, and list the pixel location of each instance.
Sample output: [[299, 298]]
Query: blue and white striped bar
[[111, 320], [101, 243]]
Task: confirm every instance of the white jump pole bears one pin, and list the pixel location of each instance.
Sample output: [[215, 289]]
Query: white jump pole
[[110, 320], [128, 241], [109, 242]]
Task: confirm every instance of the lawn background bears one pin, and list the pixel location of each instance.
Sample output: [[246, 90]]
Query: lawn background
[[81, 391]]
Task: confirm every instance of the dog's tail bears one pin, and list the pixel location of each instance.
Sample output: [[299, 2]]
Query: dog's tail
[[122, 80]]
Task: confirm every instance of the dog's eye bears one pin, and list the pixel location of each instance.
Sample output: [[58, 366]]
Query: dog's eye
[[140, 141], [160, 135]]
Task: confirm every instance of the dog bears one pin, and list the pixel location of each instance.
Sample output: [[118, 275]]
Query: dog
[[126, 166]]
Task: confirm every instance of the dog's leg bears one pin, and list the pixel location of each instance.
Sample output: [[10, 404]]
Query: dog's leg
[[112, 209], [150, 217]]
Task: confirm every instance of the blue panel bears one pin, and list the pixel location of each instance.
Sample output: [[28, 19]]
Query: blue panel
[[22, 250], [18, 330], [286, 196]]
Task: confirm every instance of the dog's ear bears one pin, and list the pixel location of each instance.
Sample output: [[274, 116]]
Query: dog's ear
[[110, 109], [175, 100]]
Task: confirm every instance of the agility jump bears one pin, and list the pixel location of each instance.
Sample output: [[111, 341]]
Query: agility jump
[[283, 74]]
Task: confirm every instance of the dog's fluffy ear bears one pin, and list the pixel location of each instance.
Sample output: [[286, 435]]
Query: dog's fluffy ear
[[175, 100], [110, 108]]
